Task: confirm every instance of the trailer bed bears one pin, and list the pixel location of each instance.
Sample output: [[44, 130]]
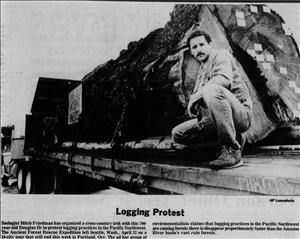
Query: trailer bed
[[265, 171]]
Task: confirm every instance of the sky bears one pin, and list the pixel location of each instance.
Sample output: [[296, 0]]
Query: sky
[[69, 39]]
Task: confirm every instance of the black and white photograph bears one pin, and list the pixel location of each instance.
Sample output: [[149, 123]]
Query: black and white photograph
[[154, 111]]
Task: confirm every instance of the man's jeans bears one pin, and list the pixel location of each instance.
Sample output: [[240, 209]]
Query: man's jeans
[[227, 119]]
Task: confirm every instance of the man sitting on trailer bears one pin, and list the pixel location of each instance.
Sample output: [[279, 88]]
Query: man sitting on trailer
[[220, 104]]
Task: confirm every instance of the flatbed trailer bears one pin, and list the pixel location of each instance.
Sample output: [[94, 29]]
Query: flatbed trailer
[[173, 170], [55, 156]]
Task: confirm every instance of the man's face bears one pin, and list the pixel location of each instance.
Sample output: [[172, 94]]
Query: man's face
[[200, 48]]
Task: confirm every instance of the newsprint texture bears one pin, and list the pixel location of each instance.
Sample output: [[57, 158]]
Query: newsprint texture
[[145, 120]]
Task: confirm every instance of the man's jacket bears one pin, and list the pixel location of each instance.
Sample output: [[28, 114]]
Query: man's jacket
[[221, 68]]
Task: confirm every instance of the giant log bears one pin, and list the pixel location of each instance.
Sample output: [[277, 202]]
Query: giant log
[[144, 92]]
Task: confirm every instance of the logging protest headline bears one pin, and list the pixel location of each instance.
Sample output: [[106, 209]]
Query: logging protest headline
[[146, 213]]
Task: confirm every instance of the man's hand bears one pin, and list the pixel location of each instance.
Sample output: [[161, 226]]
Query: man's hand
[[192, 109]]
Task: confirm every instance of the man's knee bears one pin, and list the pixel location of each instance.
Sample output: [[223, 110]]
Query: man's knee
[[211, 92]]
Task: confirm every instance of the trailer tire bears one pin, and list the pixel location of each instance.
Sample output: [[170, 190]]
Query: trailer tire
[[21, 174], [39, 179], [30, 184]]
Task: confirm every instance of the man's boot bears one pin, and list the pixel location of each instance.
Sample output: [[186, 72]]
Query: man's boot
[[228, 158]]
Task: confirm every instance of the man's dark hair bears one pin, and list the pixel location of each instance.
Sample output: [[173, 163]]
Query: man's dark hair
[[197, 33]]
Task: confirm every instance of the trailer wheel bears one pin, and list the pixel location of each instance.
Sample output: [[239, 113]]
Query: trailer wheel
[[39, 179], [21, 173], [29, 183]]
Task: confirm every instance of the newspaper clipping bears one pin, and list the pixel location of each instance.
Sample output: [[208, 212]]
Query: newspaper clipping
[[135, 120]]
